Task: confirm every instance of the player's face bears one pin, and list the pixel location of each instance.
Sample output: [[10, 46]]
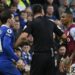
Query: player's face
[[50, 10], [64, 19], [12, 21]]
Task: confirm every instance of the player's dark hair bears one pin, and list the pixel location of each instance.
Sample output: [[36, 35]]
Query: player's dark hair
[[36, 8], [4, 16]]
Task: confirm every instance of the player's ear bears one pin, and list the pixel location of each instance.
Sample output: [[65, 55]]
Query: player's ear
[[9, 20]]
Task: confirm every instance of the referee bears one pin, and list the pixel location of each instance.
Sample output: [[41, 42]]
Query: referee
[[42, 31]]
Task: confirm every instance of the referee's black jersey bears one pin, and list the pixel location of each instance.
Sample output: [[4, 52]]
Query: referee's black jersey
[[42, 31]]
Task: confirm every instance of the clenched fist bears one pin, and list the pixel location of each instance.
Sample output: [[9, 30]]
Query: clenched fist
[[20, 64]]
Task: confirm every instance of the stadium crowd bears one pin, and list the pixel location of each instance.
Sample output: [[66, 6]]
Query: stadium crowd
[[61, 13]]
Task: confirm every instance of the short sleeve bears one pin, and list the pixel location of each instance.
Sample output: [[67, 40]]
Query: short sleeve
[[57, 30], [72, 33]]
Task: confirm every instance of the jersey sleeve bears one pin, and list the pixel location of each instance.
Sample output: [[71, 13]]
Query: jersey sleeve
[[72, 33], [57, 30], [7, 44], [28, 28]]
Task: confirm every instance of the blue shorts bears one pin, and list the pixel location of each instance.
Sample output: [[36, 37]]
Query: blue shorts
[[8, 68]]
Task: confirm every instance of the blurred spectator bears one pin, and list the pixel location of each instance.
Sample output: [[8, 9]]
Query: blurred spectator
[[65, 5], [73, 8], [13, 9], [18, 52], [23, 19], [49, 13], [1, 7], [17, 26], [4, 4], [26, 56], [27, 2], [61, 56], [17, 23], [29, 14], [50, 2], [20, 4], [62, 50]]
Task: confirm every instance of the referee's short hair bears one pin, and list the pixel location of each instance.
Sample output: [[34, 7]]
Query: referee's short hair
[[37, 8]]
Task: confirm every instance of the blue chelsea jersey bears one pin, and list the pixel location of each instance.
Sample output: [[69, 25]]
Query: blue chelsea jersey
[[6, 44]]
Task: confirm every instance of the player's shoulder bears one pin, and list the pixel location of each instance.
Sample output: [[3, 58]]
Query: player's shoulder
[[72, 26], [9, 32], [4, 28]]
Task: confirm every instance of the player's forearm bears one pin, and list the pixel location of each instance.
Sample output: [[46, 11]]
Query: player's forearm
[[8, 49], [18, 42], [64, 36], [21, 39], [10, 52]]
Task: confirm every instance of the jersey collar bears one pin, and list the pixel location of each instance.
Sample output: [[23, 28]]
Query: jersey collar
[[4, 25]]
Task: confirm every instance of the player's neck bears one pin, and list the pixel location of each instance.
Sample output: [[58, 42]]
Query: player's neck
[[8, 24], [49, 15], [37, 15], [69, 24]]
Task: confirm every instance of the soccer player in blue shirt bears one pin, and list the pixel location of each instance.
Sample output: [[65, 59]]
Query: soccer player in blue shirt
[[7, 55]]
